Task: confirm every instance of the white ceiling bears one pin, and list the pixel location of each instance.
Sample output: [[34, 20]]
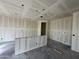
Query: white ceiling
[[36, 8]]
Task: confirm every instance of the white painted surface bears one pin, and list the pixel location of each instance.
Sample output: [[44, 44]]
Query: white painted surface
[[75, 31], [34, 8], [28, 43], [14, 27], [60, 30]]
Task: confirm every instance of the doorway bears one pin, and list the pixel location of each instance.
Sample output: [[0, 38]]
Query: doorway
[[43, 28]]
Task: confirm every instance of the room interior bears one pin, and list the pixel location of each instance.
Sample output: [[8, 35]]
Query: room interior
[[39, 29]]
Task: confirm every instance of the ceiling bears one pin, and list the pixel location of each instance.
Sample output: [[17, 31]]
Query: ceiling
[[38, 9]]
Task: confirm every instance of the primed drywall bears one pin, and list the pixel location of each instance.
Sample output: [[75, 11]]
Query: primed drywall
[[15, 27], [60, 29], [75, 32]]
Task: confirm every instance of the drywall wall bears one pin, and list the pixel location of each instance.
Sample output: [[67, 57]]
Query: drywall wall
[[75, 32], [15, 27], [60, 29]]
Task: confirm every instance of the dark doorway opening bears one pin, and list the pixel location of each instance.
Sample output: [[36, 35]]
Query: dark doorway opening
[[43, 28]]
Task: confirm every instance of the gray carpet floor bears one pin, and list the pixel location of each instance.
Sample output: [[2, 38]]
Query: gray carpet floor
[[54, 50]]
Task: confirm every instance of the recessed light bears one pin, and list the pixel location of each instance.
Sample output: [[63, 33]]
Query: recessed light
[[22, 5], [41, 16], [43, 9]]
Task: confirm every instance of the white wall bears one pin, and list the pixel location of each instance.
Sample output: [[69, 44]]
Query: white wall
[[75, 32], [60, 29], [14, 27]]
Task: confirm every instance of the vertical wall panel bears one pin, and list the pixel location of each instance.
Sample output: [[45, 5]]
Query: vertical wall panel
[[6, 21], [0, 21], [75, 32], [15, 27], [10, 22], [60, 29]]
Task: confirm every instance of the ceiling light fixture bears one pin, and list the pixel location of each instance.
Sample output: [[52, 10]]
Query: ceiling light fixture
[[21, 2], [41, 16], [22, 5], [43, 9]]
